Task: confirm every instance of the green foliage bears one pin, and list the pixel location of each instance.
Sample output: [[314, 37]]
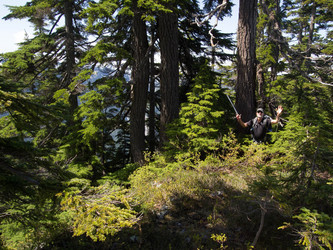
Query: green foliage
[[99, 14], [24, 231], [96, 145], [168, 189], [121, 176], [26, 113], [306, 141], [221, 239], [28, 182], [99, 211], [315, 229], [200, 120], [204, 182], [162, 181]]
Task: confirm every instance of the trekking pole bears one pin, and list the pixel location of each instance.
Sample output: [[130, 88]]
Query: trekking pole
[[232, 104]]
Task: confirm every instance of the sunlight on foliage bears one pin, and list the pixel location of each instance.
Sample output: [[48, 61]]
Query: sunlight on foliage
[[221, 239], [100, 211], [315, 229]]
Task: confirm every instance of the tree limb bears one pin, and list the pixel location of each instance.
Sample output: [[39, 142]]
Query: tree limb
[[18, 173], [208, 17]]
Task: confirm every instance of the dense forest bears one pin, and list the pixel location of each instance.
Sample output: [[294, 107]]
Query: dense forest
[[118, 126]]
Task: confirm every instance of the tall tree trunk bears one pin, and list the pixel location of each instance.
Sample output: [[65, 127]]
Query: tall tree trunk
[[246, 59], [168, 34], [152, 101], [261, 85], [270, 9], [275, 26], [70, 53], [140, 76], [311, 28]]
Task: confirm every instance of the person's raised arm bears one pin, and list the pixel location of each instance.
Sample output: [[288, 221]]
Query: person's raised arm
[[239, 119], [278, 113]]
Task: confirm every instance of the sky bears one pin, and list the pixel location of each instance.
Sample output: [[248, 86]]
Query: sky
[[13, 31]]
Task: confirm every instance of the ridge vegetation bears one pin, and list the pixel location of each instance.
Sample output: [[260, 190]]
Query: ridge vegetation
[[149, 155]]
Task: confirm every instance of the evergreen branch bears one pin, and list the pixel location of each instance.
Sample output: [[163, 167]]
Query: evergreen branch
[[327, 59], [55, 24], [284, 46], [209, 15], [297, 68], [18, 173], [48, 136], [5, 215]]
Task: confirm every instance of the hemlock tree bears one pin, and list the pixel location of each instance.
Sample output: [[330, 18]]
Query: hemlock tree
[[47, 64], [111, 24], [246, 59], [303, 52], [50, 64], [140, 77], [70, 52], [177, 29], [53, 46], [196, 132], [268, 51], [169, 72], [29, 180], [305, 87]]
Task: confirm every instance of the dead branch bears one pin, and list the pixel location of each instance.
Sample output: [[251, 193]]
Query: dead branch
[[262, 220], [217, 11]]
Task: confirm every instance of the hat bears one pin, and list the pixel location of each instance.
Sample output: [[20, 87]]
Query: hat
[[260, 110]]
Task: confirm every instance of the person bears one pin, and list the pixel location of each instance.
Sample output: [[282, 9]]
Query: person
[[260, 124]]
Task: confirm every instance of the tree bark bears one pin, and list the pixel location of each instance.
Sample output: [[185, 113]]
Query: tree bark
[[246, 59], [168, 34], [70, 53], [261, 85], [311, 28], [152, 100], [140, 77]]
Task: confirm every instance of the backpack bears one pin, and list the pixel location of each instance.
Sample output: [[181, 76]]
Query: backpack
[[255, 122], [268, 127]]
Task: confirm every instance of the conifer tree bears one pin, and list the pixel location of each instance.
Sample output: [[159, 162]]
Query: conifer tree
[[120, 46], [169, 83], [29, 180], [50, 61], [140, 76], [201, 120], [303, 88], [53, 46], [246, 59], [268, 52]]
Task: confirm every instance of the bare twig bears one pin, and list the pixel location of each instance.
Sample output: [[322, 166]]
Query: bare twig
[[262, 220], [208, 17]]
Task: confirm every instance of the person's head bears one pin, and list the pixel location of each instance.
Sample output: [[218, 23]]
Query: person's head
[[260, 113]]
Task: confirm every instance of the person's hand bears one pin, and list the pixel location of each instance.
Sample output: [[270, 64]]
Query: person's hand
[[279, 110], [238, 117]]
